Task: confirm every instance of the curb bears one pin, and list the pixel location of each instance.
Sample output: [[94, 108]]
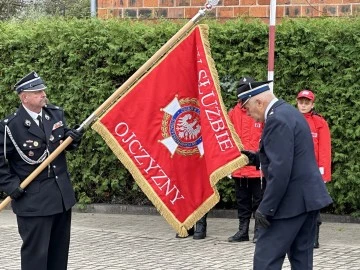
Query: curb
[[103, 208], [214, 213]]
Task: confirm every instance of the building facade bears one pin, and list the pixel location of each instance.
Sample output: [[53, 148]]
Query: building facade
[[186, 9]]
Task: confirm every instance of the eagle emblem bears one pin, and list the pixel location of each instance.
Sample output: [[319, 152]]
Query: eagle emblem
[[181, 129]]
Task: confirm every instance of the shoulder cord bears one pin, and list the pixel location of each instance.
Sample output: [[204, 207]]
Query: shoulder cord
[[21, 153], [5, 144]]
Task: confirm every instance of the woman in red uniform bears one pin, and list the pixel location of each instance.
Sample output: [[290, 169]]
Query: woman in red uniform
[[321, 137]]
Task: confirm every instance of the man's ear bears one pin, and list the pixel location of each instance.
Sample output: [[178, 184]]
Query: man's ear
[[22, 96], [258, 102]]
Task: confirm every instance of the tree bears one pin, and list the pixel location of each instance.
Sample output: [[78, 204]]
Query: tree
[[23, 9], [8, 8]]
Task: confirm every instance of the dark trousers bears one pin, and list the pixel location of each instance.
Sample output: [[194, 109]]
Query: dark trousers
[[318, 220], [45, 241], [292, 236], [249, 193]]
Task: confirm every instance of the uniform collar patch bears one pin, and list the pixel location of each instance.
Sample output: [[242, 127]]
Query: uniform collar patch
[[27, 123]]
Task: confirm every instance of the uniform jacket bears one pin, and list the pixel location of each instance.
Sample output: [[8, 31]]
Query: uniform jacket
[[249, 132], [322, 143], [293, 182], [51, 191]]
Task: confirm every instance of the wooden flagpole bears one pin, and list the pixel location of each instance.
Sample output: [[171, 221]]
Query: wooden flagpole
[[103, 107]]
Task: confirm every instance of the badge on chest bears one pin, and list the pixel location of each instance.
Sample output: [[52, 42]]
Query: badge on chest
[[57, 125]]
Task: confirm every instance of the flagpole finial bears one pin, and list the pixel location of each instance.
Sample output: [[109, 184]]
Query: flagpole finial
[[210, 4]]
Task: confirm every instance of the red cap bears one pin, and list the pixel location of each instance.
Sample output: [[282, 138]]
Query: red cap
[[306, 94]]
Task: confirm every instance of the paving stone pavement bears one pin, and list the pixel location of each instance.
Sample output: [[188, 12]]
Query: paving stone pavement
[[123, 241]]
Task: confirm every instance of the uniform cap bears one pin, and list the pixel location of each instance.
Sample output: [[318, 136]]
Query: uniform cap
[[306, 94], [248, 88], [31, 82]]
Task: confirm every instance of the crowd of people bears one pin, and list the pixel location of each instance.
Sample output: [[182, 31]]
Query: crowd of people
[[282, 188]]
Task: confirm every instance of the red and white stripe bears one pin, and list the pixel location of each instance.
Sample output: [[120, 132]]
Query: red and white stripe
[[271, 54]]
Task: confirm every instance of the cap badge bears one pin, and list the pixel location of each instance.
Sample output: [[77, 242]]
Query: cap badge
[[305, 92]]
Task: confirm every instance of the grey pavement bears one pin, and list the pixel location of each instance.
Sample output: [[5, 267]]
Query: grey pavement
[[116, 241]]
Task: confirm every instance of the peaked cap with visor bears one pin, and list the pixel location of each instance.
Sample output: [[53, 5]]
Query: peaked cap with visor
[[306, 94], [248, 88], [29, 83]]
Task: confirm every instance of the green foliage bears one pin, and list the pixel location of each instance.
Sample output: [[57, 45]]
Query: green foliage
[[22, 10], [323, 55], [84, 61], [226, 188]]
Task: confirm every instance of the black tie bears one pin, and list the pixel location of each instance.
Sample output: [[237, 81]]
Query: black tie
[[41, 123]]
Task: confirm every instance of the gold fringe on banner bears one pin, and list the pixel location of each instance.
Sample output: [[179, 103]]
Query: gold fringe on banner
[[242, 160], [222, 172], [181, 228]]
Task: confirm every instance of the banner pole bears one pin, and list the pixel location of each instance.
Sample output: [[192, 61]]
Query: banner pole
[[104, 106], [154, 59]]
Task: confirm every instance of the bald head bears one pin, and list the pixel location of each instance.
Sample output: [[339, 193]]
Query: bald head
[[265, 97]]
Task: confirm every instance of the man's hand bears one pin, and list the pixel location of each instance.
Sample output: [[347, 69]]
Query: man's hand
[[261, 220], [17, 193], [75, 134], [253, 158]]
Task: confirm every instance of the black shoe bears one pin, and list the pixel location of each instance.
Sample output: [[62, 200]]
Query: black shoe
[[199, 235], [316, 245], [239, 237], [200, 228], [190, 233]]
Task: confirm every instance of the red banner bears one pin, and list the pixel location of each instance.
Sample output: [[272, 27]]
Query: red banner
[[172, 132]]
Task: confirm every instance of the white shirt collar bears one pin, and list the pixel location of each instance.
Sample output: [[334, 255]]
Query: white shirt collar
[[269, 107], [33, 115]]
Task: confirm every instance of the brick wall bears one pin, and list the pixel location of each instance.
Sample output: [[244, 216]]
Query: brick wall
[[180, 9]]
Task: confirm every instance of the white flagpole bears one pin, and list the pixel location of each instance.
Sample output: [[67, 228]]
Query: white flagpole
[[271, 53]]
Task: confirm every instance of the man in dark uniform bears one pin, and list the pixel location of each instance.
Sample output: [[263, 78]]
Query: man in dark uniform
[[294, 191], [43, 208]]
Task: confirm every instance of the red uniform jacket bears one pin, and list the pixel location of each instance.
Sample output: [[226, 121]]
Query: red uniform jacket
[[249, 132], [322, 143]]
